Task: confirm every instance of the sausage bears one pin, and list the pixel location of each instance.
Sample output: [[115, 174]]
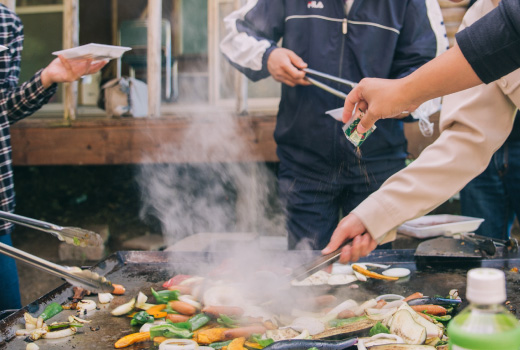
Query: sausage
[[183, 308], [346, 314], [182, 289], [223, 310], [242, 332], [177, 318]]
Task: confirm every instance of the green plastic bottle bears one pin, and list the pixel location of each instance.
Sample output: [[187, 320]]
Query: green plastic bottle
[[485, 324]]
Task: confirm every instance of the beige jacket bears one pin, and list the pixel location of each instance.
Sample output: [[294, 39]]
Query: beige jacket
[[474, 124]]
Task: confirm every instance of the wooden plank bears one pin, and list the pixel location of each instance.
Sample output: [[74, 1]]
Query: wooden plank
[[153, 70], [70, 40], [134, 141]]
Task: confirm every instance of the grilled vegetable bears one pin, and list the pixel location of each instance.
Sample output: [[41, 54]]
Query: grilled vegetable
[[404, 326], [51, 310], [124, 309], [170, 331], [436, 310], [402, 347], [300, 344], [378, 328], [157, 311], [164, 296], [237, 344], [132, 339], [141, 318], [371, 274]]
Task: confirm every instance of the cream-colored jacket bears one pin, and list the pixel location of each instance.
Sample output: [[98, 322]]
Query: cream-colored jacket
[[474, 124]]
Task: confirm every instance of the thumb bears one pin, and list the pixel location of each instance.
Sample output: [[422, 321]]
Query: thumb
[[297, 61], [367, 121]]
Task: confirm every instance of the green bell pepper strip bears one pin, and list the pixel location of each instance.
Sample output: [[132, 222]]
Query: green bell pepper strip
[[164, 296], [168, 309], [141, 318], [198, 321], [377, 329], [256, 338], [220, 344], [343, 321], [51, 310], [170, 331], [227, 321], [183, 325]]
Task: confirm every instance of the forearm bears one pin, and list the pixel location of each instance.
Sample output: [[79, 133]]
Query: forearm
[[444, 75]]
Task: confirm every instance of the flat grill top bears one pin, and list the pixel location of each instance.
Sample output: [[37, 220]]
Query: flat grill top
[[138, 271]]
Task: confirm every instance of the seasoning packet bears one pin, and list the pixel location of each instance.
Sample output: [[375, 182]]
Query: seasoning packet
[[353, 135]]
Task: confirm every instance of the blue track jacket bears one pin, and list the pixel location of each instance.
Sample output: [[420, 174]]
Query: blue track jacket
[[378, 38]]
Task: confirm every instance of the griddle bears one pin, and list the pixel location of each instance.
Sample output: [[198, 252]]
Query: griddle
[[138, 271]]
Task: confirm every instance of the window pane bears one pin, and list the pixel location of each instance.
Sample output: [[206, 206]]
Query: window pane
[[43, 35]]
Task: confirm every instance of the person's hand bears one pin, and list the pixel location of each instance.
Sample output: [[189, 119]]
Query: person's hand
[[375, 99], [284, 65], [351, 227], [61, 70]]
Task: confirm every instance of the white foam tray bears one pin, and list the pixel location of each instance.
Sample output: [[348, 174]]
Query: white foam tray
[[94, 51], [439, 225]]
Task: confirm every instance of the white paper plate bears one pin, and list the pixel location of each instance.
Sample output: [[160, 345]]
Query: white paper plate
[[439, 225], [396, 272], [94, 51]]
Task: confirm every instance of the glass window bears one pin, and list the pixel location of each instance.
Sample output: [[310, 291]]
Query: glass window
[[42, 35]]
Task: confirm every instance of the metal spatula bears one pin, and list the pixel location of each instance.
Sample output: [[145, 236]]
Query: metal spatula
[[71, 235], [74, 275]]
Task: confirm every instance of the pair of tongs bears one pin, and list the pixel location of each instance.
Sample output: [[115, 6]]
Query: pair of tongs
[[317, 264], [325, 87], [74, 275], [71, 235]]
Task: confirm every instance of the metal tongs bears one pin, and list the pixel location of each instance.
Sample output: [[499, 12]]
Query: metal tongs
[[74, 275], [317, 264], [325, 87], [71, 235]]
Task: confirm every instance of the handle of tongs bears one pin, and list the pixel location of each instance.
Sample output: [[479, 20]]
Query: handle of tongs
[[319, 263], [330, 77], [52, 268], [32, 223]]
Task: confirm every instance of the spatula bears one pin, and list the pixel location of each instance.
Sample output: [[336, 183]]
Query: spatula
[[71, 235]]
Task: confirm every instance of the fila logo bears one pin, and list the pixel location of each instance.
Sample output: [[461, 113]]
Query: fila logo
[[314, 4]]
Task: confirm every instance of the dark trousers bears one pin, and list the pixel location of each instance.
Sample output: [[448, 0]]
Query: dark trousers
[[313, 205], [10, 289], [495, 194]]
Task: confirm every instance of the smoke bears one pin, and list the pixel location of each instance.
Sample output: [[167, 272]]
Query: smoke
[[216, 193]]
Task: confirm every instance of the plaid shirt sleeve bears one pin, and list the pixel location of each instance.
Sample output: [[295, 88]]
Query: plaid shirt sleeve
[[16, 102]]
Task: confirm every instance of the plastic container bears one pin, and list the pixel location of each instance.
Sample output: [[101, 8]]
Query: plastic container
[[439, 225], [485, 324]]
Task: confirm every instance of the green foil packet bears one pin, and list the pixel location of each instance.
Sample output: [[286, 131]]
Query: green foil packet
[[353, 135]]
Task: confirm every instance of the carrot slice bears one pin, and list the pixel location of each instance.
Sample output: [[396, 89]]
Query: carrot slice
[[371, 274], [130, 339], [431, 309], [118, 289]]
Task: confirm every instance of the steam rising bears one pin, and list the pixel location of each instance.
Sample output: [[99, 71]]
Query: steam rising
[[215, 194]]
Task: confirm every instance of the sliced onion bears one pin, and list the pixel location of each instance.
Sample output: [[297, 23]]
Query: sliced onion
[[366, 305], [124, 309], [24, 332], [32, 346], [346, 305], [311, 324], [379, 316], [146, 327], [87, 305], [387, 297], [60, 334], [189, 300], [392, 304], [39, 322], [73, 318], [303, 335], [29, 319], [105, 298], [178, 344]]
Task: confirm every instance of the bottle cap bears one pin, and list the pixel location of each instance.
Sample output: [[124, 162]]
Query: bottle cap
[[486, 286]]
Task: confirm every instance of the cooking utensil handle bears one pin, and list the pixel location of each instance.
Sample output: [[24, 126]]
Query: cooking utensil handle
[[330, 77], [32, 223], [319, 263], [327, 88], [50, 267]]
